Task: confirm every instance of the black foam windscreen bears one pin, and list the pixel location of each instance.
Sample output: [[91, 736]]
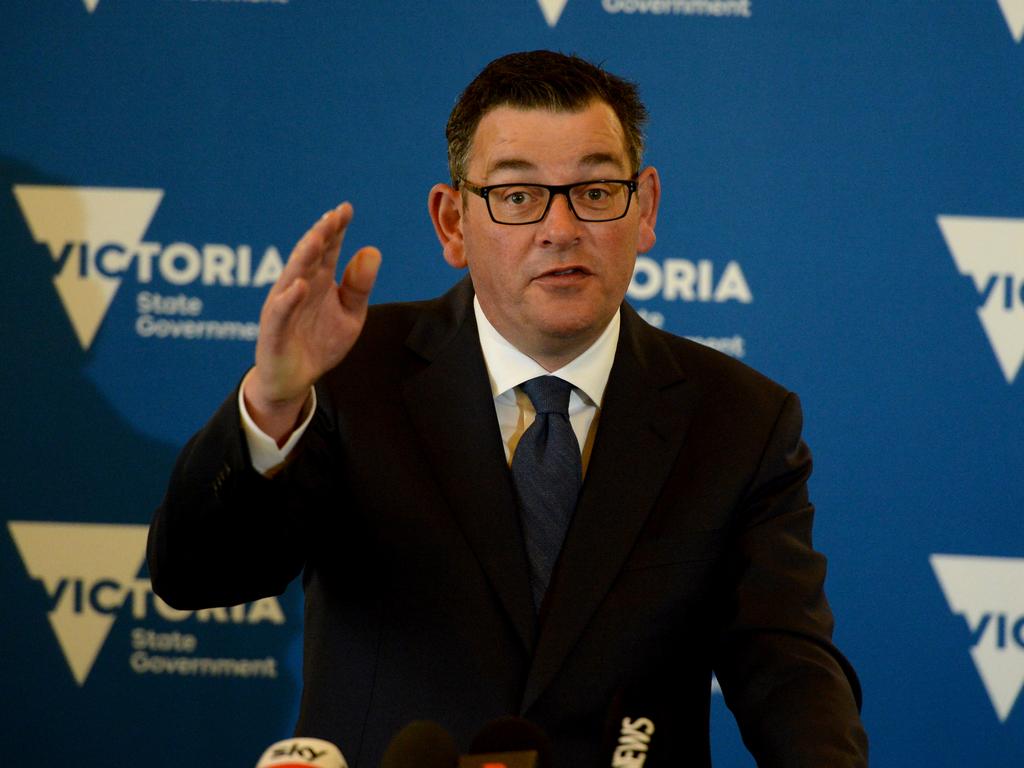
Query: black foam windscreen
[[512, 734], [421, 744]]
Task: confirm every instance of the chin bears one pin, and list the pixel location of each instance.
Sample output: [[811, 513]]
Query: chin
[[566, 329]]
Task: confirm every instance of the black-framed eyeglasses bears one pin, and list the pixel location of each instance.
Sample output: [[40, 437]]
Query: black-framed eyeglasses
[[596, 200]]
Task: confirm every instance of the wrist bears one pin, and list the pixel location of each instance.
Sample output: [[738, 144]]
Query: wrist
[[276, 417]]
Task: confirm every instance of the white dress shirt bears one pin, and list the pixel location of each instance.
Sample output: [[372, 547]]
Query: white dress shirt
[[507, 368]]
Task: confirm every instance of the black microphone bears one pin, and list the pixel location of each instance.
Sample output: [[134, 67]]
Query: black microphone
[[508, 742], [302, 752], [421, 744]]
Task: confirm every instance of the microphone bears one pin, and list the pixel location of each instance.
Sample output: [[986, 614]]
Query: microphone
[[508, 742], [629, 728], [302, 752], [634, 743], [421, 744]]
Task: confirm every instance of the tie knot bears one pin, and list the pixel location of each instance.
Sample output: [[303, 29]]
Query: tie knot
[[549, 394]]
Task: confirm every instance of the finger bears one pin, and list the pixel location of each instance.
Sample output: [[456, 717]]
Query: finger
[[305, 256], [338, 220], [358, 279], [313, 249], [279, 310]]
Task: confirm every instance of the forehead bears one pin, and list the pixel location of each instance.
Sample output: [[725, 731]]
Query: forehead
[[509, 140]]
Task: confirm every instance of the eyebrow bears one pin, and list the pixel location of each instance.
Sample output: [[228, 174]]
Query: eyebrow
[[587, 161]]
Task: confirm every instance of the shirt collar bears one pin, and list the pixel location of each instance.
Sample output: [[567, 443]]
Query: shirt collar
[[507, 367]]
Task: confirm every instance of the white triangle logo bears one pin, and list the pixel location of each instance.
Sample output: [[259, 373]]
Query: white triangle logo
[[77, 563], [73, 222], [1013, 10], [991, 252], [552, 10], [90, 5], [987, 592]]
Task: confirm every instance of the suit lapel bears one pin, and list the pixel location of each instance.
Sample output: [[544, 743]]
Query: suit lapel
[[452, 408], [642, 422]]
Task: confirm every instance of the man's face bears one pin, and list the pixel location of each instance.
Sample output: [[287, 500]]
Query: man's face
[[551, 287]]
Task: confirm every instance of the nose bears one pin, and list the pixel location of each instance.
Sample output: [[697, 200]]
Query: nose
[[560, 226]]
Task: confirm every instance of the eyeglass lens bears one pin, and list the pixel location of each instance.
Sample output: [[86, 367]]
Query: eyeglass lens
[[592, 201]]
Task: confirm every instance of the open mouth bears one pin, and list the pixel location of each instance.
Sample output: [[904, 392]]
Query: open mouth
[[565, 272]]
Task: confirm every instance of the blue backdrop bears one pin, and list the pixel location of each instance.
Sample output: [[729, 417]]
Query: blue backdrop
[[843, 209]]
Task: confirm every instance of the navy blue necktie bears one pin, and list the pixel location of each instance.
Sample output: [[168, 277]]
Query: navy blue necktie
[[548, 473]]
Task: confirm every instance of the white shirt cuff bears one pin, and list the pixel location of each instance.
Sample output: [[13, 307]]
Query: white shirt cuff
[[263, 451]]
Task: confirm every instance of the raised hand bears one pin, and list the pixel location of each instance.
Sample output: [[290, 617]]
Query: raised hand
[[308, 322]]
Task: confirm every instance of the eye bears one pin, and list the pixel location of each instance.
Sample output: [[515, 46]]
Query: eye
[[518, 196], [594, 196]]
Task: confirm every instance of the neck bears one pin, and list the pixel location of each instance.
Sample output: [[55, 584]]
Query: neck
[[553, 360]]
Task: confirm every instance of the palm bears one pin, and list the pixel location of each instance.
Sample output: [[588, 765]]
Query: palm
[[309, 322]]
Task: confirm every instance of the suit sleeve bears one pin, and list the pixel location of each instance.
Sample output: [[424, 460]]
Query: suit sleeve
[[224, 534], [795, 697]]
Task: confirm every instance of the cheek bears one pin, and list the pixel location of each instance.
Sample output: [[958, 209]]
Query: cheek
[[621, 254], [489, 269], [496, 256]]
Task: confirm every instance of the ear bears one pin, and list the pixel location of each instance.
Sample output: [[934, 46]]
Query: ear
[[648, 196], [445, 204]]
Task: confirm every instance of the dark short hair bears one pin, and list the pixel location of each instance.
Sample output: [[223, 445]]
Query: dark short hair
[[542, 80]]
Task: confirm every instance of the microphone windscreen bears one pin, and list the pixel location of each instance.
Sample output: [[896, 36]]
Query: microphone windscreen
[[421, 744], [302, 752], [512, 734]]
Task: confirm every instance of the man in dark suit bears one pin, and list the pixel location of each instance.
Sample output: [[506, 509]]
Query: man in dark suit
[[371, 451]]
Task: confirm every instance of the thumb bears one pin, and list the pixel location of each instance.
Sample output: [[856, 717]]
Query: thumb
[[358, 279]]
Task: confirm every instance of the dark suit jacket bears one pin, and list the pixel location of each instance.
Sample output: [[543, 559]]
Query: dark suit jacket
[[690, 550]]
